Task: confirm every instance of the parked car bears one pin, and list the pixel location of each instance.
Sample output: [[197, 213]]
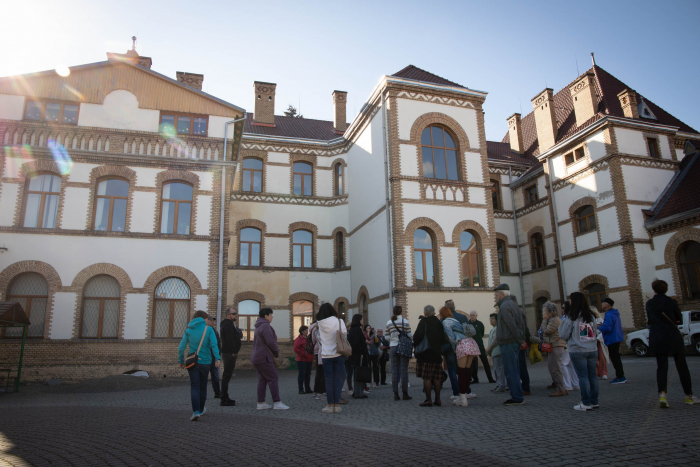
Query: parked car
[[638, 341]]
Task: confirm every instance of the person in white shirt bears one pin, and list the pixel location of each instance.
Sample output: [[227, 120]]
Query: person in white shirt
[[395, 328], [333, 363]]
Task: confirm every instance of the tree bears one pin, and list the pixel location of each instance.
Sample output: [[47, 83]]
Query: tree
[[292, 112]]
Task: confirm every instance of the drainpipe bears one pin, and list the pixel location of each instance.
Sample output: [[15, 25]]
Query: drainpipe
[[556, 225], [387, 208], [517, 239], [219, 295]]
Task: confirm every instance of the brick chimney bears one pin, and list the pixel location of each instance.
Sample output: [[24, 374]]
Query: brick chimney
[[264, 103], [515, 133], [340, 100], [192, 80], [584, 97], [628, 101], [545, 120]]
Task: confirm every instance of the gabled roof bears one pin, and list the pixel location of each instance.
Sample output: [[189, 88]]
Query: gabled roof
[[415, 73], [292, 127], [607, 89], [502, 152], [681, 195]]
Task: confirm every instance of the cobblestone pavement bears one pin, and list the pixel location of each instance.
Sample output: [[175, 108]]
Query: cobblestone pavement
[[80, 425]]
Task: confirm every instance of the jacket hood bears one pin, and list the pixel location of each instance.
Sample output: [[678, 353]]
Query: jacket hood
[[328, 324], [261, 322], [196, 322], [613, 311]]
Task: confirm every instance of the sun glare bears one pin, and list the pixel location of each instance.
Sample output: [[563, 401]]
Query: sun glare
[[62, 71]]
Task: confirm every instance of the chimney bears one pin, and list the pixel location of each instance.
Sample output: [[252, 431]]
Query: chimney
[[515, 133], [145, 62], [628, 101], [192, 80], [264, 103], [584, 97], [545, 121], [131, 56], [340, 100]]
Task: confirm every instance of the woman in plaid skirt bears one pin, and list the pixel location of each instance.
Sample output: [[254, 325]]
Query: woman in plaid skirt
[[429, 362]]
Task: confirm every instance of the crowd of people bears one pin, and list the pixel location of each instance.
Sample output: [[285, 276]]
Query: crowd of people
[[446, 344]]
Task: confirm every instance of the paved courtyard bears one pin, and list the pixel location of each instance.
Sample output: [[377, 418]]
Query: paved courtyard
[[128, 421]]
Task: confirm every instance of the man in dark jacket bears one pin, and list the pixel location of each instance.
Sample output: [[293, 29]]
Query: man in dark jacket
[[211, 321], [612, 335], [230, 346], [510, 335], [479, 338]]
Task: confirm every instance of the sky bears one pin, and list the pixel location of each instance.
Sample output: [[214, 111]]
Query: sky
[[510, 49]]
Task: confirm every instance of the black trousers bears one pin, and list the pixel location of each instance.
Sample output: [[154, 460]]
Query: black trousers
[[474, 370], [229, 360], [681, 366], [320, 379], [382, 369], [374, 361], [614, 352]]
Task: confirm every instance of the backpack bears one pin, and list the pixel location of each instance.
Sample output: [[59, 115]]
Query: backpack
[[405, 347], [310, 345]]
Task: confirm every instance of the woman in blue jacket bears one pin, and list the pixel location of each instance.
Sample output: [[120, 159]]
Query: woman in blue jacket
[[199, 374], [612, 335]]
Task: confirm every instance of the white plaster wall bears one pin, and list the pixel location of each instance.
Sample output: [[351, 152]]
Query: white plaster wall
[[11, 107], [506, 201], [608, 225], [12, 165], [143, 211], [216, 127], [598, 185], [8, 201], [664, 146], [596, 145], [645, 184], [327, 286], [489, 266], [120, 110], [566, 239], [277, 252], [81, 173], [410, 190], [450, 267], [409, 160], [666, 275], [647, 272], [277, 179], [630, 142], [477, 195], [659, 250], [324, 182], [206, 180], [203, 215], [541, 189], [679, 154], [587, 241], [324, 253], [637, 219], [146, 176], [506, 227], [475, 173], [75, 208], [279, 216], [446, 216], [280, 157], [609, 263], [410, 110], [513, 263], [378, 313], [408, 258], [370, 262], [323, 162], [135, 316], [549, 249], [63, 315], [200, 302]]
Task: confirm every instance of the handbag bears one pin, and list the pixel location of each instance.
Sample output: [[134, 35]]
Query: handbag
[[342, 346], [405, 347], [277, 362], [192, 359], [423, 345], [363, 374], [547, 348], [310, 345], [469, 330]]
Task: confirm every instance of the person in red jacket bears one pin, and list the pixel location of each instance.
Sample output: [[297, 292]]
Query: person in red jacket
[[304, 361]]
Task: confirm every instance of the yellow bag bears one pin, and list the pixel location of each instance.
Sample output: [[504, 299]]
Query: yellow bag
[[535, 355]]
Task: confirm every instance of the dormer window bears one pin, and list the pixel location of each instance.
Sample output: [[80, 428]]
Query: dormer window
[[645, 111]]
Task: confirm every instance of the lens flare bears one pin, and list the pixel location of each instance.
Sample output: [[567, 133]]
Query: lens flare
[[60, 156], [62, 71], [73, 91]]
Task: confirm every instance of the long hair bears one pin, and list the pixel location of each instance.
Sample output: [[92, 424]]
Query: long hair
[[445, 313], [566, 308], [325, 311], [396, 312], [356, 320], [580, 308]]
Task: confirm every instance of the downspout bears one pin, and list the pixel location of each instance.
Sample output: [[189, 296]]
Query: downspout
[[556, 227], [219, 295], [387, 206], [517, 239]]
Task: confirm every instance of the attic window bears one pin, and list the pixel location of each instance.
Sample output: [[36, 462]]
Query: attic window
[[644, 110]]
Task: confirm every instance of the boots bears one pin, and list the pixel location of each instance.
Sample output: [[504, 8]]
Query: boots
[[396, 396], [406, 397], [462, 401]]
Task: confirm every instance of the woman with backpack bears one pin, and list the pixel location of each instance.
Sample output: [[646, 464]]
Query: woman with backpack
[[428, 340], [201, 340], [333, 362], [579, 331], [465, 348], [400, 351]]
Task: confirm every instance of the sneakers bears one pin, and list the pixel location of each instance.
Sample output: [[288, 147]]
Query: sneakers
[[280, 406], [462, 401], [558, 394], [663, 403], [263, 406], [471, 395], [217, 395], [337, 409], [595, 406], [582, 408], [513, 402], [318, 396], [692, 400], [342, 401], [622, 380], [327, 409], [194, 417], [228, 402], [605, 377], [454, 398], [203, 411]]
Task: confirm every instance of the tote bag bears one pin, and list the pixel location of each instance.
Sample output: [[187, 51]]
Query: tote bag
[[342, 346]]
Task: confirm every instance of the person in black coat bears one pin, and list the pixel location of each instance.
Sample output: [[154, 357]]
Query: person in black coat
[[360, 354], [429, 362], [230, 346], [663, 317]]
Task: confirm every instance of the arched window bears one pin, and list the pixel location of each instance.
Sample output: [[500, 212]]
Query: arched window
[[496, 194], [439, 153], [110, 205], [539, 303], [252, 175], [302, 249], [247, 315], [302, 313], [502, 250], [251, 240], [303, 173], [176, 209], [340, 250], [338, 179], [32, 292], [41, 201], [470, 256], [537, 243], [172, 309], [364, 309], [585, 219], [690, 267], [342, 313], [424, 258], [595, 294], [100, 308]]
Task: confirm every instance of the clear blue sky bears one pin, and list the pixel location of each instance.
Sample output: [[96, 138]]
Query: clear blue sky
[[509, 49]]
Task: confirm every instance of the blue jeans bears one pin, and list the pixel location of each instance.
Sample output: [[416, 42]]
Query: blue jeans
[[523, 355], [334, 371], [399, 370], [584, 364], [214, 371], [304, 376], [451, 359], [511, 367], [198, 386]]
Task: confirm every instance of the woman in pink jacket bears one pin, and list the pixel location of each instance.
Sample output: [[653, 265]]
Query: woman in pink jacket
[[304, 361]]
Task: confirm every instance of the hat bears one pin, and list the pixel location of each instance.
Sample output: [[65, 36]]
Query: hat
[[502, 287], [211, 317], [609, 301]]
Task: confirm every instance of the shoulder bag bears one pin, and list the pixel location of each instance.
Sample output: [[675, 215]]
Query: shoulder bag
[[363, 373], [469, 330], [342, 346], [276, 361], [192, 359], [405, 347], [423, 345]]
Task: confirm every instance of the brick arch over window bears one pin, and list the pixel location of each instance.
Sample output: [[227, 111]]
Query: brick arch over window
[[253, 223], [506, 259], [672, 257], [470, 225], [176, 176], [536, 230], [160, 275], [341, 300], [593, 279], [295, 297], [437, 118], [311, 160], [538, 313], [335, 246], [105, 172], [39, 267], [250, 295], [578, 204], [78, 286], [360, 292], [484, 243], [438, 241], [37, 167], [314, 234], [344, 164]]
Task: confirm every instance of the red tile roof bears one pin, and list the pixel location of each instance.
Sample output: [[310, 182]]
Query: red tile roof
[[413, 72], [292, 127], [683, 193], [502, 152]]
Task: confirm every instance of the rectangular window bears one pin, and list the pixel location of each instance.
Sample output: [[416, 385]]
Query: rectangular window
[[653, 145], [56, 112], [33, 111], [580, 154], [52, 112], [70, 114], [200, 126], [531, 194], [167, 124], [183, 124], [569, 158]]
